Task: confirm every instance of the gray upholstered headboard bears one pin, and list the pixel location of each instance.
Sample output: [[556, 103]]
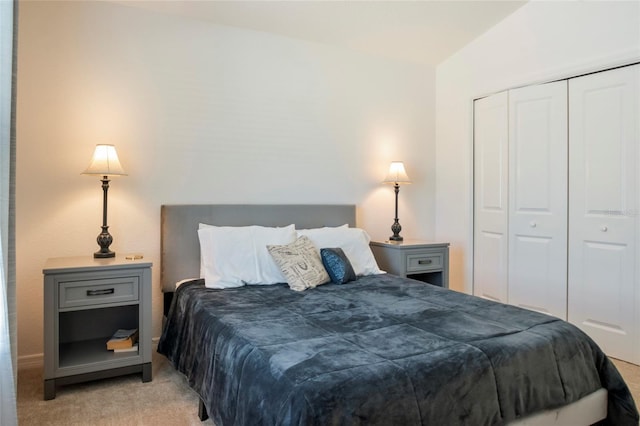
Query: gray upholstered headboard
[[180, 247]]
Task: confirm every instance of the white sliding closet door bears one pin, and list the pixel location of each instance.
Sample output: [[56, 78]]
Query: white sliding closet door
[[604, 219], [538, 198], [490, 197]]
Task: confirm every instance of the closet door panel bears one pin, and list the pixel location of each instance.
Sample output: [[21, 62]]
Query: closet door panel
[[537, 271], [603, 234], [490, 197]]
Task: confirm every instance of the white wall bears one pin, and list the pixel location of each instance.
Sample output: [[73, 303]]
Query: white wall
[[200, 114], [541, 41]]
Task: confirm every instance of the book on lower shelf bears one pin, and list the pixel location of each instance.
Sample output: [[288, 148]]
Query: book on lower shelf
[[123, 339], [133, 348]]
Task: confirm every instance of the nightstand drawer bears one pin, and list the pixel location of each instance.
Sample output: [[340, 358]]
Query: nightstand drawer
[[97, 292], [418, 262]]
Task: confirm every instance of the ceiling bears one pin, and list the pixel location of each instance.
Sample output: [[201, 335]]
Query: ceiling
[[426, 32]]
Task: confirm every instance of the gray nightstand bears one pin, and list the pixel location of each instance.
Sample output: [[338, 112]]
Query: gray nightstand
[[418, 260], [85, 301]]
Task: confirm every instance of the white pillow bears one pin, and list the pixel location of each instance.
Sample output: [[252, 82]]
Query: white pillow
[[353, 241], [302, 231], [234, 256]]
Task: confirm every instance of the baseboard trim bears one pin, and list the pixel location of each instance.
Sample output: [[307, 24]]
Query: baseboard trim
[[30, 361]]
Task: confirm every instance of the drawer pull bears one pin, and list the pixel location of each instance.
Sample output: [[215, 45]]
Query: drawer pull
[[101, 292], [425, 262]]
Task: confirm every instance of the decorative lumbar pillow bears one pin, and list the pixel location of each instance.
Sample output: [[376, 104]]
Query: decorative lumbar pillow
[[353, 241], [234, 256], [337, 265], [300, 263]]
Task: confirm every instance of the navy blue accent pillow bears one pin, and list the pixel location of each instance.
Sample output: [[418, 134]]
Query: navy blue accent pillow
[[337, 265]]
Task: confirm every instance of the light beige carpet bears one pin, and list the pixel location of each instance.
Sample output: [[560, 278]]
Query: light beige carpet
[[123, 401], [631, 374], [166, 400]]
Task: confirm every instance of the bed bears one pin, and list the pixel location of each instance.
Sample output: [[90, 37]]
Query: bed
[[377, 350]]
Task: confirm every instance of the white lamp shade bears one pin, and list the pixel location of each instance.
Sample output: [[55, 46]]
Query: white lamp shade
[[397, 174], [105, 162]]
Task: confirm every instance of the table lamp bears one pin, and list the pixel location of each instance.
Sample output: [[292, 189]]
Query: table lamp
[[104, 163], [396, 176]]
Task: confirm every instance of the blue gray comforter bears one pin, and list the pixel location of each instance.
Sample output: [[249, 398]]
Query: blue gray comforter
[[380, 350]]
